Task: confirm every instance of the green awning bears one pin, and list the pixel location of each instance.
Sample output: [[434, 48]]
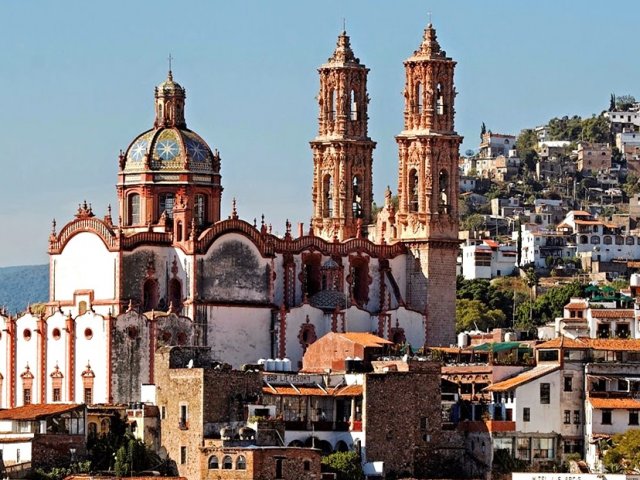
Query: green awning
[[497, 347]]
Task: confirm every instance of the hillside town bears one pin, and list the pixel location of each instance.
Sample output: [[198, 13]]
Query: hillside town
[[482, 319]]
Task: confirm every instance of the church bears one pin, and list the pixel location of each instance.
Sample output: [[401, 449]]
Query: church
[[167, 269]]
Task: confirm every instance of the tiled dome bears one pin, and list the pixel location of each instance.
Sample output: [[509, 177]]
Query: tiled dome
[[170, 145]]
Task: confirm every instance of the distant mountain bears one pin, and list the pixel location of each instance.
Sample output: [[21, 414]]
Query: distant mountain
[[21, 286]]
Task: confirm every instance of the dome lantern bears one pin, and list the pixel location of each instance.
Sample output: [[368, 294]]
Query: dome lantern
[[170, 97]]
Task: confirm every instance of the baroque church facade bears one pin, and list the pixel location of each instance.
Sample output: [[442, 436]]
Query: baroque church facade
[[170, 271]]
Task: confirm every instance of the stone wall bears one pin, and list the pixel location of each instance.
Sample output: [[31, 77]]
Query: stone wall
[[402, 417]]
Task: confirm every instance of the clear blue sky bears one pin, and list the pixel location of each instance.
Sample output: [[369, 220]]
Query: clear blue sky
[[77, 78]]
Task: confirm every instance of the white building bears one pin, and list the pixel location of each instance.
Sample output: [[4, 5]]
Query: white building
[[488, 260]]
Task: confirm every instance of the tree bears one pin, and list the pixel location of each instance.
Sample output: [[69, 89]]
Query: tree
[[624, 102], [483, 130], [624, 453], [596, 129], [472, 314], [526, 144], [612, 102], [346, 465]]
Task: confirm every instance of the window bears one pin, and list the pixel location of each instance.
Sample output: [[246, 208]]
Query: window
[[241, 463], [354, 106], [134, 209], [307, 465], [227, 463], [184, 417], [26, 395], [278, 468], [567, 417], [56, 395], [357, 197], [88, 396], [413, 190], [200, 209], [622, 385], [633, 417], [175, 293], [165, 204], [568, 383], [523, 448], [542, 447], [183, 455], [213, 463], [526, 414], [576, 417], [163, 412], [606, 417], [545, 393], [327, 187], [419, 97]]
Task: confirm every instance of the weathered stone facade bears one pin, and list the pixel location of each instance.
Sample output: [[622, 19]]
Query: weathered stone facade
[[402, 417]]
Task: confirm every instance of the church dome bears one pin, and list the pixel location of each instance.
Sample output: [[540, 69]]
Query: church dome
[[170, 145]]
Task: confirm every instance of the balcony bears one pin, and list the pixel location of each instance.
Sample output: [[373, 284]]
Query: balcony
[[183, 424]]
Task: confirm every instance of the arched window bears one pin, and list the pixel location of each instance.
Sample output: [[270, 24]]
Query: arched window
[[213, 463], [327, 189], [179, 231], [133, 207], [606, 240], [200, 209], [241, 463], [333, 101], [357, 197], [595, 240], [353, 105], [150, 295], [443, 182], [413, 190], [629, 241], [165, 204], [419, 97], [360, 282], [227, 463], [175, 293], [439, 100], [619, 240], [312, 277]]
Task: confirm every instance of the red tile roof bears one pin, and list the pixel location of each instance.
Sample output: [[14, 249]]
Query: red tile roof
[[36, 411], [611, 344], [615, 403], [523, 378], [366, 339], [611, 313]]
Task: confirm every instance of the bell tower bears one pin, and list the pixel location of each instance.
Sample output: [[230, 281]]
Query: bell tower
[[428, 185], [342, 150]]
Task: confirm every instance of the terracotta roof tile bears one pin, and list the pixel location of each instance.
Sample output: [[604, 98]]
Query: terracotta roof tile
[[611, 344], [565, 342], [576, 306], [522, 378], [36, 411], [615, 403], [611, 313], [366, 339]]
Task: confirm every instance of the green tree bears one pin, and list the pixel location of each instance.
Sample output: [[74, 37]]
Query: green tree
[[631, 185], [624, 454], [526, 144], [346, 465], [483, 130], [472, 314], [596, 129], [612, 102], [624, 102]]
